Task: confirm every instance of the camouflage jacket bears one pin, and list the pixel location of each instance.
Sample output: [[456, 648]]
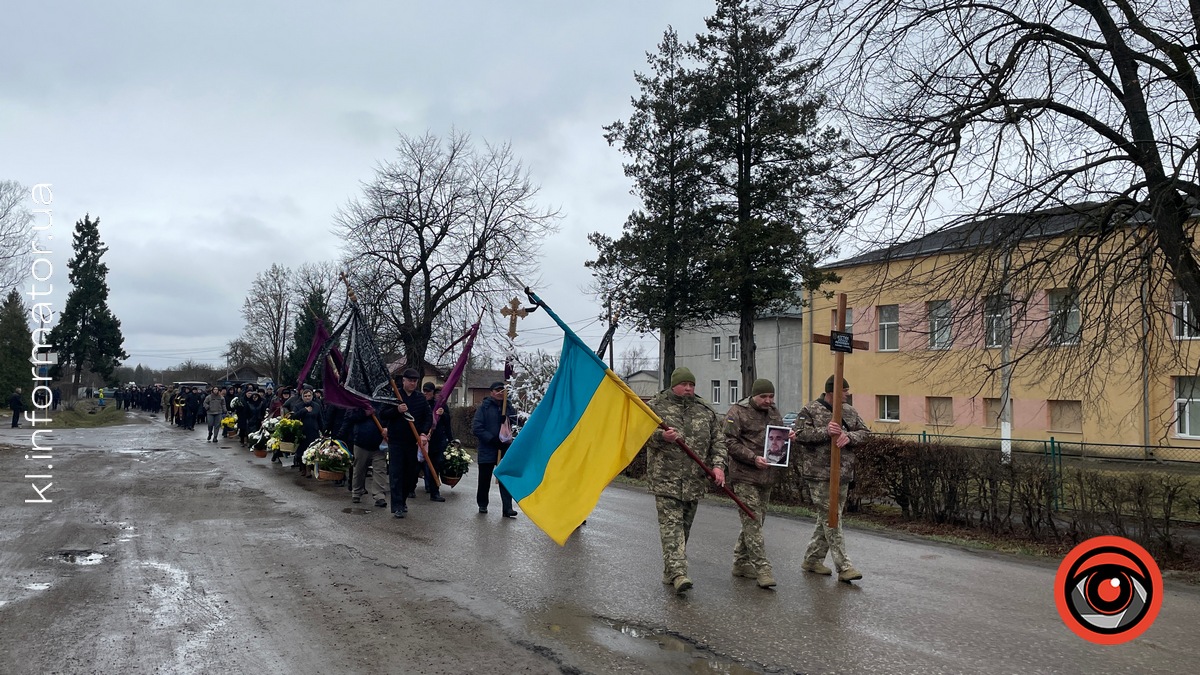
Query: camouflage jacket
[[670, 472], [812, 436], [745, 437]]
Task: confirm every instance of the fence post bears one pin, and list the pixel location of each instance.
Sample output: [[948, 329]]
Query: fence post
[[1056, 467]]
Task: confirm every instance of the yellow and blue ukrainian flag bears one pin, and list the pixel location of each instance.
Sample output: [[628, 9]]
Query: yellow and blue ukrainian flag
[[587, 429]]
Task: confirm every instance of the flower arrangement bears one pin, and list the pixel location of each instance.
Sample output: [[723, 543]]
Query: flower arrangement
[[328, 454], [458, 461], [229, 422], [289, 430]]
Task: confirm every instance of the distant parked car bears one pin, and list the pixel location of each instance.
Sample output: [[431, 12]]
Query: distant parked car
[[790, 418]]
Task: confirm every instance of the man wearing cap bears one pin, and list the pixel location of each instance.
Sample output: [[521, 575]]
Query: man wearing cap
[[751, 477], [677, 482], [402, 442], [814, 428], [487, 426], [439, 437]]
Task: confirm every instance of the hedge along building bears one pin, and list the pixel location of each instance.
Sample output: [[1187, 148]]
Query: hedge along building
[[1079, 323]]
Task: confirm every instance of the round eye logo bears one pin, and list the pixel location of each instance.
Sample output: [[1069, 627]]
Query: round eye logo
[[1108, 590]]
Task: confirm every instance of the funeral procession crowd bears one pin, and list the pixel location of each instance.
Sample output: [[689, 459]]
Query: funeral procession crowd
[[390, 449]]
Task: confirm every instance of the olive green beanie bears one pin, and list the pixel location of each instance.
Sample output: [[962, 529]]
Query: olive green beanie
[[762, 386], [682, 374]]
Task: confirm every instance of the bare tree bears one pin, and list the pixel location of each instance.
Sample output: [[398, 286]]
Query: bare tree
[[635, 359], [445, 229], [16, 235], [238, 352], [1043, 144], [267, 312], [531, 377], [324, 276]]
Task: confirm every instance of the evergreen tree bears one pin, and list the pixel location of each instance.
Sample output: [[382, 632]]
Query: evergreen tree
[[139, 375], [16, 346], [776, 190], [306, 327], [87, 332], [656, 270]]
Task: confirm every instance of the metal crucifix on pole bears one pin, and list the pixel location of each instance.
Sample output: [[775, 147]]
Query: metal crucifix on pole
[[840, 343]]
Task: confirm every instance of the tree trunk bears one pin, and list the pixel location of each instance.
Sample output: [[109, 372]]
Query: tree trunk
[[668, 364]]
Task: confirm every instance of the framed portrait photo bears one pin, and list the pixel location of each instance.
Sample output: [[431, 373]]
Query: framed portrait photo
[[777, 448]]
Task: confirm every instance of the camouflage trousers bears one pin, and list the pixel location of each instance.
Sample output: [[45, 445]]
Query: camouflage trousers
[[675, 518], [825, 539], [751, 548]]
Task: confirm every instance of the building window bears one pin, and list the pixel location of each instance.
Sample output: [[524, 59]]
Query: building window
[[735, 347], [1064, 317], [889, 328], [996, 329], [940, 336], [849, 320], [716, 349], [991, 413], [1066, 416], [1187, 323], [716, 391], [1187, 402], [733, 391], [889, 408], [939, 410]]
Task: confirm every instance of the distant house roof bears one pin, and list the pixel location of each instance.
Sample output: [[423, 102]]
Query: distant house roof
[[430, 369], [482, 378], [1035, 225]]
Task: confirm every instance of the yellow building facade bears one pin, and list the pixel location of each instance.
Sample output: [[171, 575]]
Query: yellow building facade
[[1111, 368]]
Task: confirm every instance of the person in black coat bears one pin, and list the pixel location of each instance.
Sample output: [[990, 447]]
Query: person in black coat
[[486, 426], [308, 411], [439, 437], [251, 409], [402, 442], [18, 407]]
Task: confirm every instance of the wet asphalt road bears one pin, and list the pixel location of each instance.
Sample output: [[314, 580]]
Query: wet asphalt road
[[215, 561]]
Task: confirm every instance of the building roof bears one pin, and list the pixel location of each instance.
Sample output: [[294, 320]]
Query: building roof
[[1035, 225]]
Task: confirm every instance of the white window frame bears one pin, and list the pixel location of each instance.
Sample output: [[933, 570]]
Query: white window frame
[[888, 328], [850, 320], [881, 408], [996, 318], [1184, 318], [733, 391], [735, 346], [1065, 317], [941, 326], [716, 348], [1187, 395], [716, 391]]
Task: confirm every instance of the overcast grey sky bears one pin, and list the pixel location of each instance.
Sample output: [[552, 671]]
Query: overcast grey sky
[[212, 139]]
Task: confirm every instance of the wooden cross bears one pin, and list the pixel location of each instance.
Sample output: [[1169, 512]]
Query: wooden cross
[[513, 311], [840, 343]]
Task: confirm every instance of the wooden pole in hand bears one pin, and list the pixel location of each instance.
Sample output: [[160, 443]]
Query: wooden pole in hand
[[835, 452]]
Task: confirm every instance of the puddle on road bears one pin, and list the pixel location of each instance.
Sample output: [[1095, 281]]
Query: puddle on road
[[81, 557], [654, 648], [356, 511]]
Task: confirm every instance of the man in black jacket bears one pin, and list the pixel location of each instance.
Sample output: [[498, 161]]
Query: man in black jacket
[[487, 426], [407, 425], [439, 437], [18, 407]]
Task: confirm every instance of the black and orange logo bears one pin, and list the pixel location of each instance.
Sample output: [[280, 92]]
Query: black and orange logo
[[1108, 590]]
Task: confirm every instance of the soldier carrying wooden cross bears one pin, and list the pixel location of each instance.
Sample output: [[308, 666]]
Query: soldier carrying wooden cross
[[827, 430]]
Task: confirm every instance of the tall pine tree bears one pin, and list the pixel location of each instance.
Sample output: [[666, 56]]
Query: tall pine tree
[[772, 169], [657, 269], [306, 327], [87, 332], [16, 346]]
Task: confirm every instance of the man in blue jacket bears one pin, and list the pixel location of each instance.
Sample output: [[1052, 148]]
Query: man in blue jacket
[[487, 426]]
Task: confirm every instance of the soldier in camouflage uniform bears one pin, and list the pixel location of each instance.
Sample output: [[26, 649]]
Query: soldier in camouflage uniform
[[677, 481], [752, 479], [814, 428]]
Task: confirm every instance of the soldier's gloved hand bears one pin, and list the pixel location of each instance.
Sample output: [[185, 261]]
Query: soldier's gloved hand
[[843, 440], [834, 428], [719, 477]]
